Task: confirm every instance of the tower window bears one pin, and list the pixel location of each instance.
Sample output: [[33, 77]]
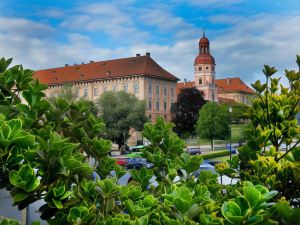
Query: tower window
[[200, 68], [200, 81], [207, 68], [213, 68]]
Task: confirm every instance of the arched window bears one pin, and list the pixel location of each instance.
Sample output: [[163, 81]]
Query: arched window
[[200, 80]]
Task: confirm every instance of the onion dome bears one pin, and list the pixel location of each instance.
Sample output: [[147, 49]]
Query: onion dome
[[204, 56]]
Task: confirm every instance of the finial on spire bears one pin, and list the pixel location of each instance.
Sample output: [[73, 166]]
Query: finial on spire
[[203, 32]]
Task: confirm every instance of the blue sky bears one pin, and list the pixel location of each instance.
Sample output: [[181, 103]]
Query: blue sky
[[244, 34]]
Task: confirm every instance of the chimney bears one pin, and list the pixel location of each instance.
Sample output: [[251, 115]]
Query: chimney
[[148, 54], [137, 54], [184, 81], [66, 64], [91, 61], [228, 81]]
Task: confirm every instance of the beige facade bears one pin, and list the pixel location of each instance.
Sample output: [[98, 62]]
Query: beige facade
[[159, 94], [239, 97]]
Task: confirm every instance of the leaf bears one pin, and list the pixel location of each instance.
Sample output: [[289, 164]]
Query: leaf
[[252, 195]]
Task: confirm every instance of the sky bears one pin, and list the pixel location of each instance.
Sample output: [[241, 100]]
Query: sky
[[244, 34]]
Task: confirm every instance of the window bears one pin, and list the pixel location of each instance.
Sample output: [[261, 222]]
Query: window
[[207, 68], [157, 104], [150, 89], [165, 91], [150, 104], [165, 105], [157, 90], [95, 91], [136, 87], [213, 95], [172, 91], [115, 88], [172, 103], [77, 92], [200, 80], [213, 68], [200, 68], [85, 92], [125, 87]]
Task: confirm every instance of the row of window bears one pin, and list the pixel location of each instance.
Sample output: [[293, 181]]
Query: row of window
[[200, 68], [157, 105], [115, 89], [157, 90]]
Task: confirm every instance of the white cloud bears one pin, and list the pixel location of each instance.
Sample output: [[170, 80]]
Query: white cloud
[[24, 27], [212, 3]]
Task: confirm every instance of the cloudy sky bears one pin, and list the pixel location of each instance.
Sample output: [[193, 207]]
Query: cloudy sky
[[244, 34]]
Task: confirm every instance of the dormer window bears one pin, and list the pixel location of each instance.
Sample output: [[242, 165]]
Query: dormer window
[[107, 73]]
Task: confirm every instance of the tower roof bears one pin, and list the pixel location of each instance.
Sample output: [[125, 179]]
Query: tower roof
[[203, 40], [204, 59], [204, 56]]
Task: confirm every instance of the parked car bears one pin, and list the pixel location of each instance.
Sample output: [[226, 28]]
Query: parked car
[[132, 149], [138, 163], [194, 150]]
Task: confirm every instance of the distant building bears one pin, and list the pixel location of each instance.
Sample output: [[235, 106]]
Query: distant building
[[139, 75], [234, 89], [229, 90]]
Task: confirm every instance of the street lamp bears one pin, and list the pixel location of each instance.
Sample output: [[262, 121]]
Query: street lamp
[[230, 111]]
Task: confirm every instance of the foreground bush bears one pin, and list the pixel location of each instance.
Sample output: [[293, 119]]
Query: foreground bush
[[44, 149]]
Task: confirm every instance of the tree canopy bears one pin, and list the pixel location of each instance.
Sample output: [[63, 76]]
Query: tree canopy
[[186, 110], [121, 111], [213, 122]]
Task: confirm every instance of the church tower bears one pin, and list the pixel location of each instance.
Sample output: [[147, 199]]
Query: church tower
[[204, 67]]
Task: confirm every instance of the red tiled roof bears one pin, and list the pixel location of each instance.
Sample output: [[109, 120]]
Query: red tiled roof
[[233, 85], [139, 65], [182, 85], [204, 59]]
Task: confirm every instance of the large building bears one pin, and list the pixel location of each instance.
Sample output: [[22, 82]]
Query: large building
[[229, 90], [139, 75]]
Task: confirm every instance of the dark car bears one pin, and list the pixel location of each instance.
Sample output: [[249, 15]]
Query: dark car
[[194, 150], [138, 163]]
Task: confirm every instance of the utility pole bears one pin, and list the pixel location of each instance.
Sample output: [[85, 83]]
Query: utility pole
[[230, 112]]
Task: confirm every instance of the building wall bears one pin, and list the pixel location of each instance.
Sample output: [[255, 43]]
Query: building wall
[[239, 97], [159, 95], [205, 81], [162, 93]]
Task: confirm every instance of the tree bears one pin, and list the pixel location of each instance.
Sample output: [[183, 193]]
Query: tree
[[213, 122], [186, 110], [239, 112], [274, 125], [121, 111]]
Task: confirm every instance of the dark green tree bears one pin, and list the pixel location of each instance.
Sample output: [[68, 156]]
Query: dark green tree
[[213, 122], [186, 110], [120, 112]]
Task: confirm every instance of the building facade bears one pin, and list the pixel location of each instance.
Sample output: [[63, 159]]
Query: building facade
[[234, 89], [229, 90], [140, 76]]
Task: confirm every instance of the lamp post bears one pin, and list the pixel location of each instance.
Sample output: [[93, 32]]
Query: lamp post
[[230, 111]]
